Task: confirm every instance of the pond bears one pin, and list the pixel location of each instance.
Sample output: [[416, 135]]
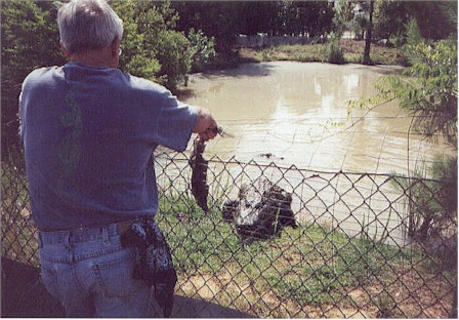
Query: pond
[[296, 113], [291, 113]]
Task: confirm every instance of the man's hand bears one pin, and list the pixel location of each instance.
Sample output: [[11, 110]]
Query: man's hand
[[205, 125]]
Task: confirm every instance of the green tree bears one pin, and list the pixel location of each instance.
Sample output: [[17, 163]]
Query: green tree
[[428, 90], [311, 18], [259, 16], [202, 49], [223, 20], [218, 19], [436, 19], [316, 17], [343, 13], [29, 40], [146, 25], [151, 49], [369, 8], [174, 54]]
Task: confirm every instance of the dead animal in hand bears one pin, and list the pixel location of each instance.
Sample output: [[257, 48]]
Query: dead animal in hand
[[199, 187]]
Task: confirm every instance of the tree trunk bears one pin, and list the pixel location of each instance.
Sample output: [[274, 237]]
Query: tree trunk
[[366, 54]]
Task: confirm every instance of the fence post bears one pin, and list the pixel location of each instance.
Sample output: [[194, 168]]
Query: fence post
[[453, 313]]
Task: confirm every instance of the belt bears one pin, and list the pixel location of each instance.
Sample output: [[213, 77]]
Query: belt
[[84, 234]]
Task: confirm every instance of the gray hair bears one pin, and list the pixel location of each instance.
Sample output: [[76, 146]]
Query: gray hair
[[88, 24]]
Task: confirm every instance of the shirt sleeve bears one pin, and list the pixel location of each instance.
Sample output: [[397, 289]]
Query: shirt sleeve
[[175, 124], [21, 112]]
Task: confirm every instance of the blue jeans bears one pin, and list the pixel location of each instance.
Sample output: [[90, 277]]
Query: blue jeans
[[92, 275]]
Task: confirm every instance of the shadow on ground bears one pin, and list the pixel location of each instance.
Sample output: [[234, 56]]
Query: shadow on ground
[[23, 296]]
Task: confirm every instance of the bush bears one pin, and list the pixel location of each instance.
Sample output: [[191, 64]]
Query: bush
[[433, 204], [428, 88], [411, 39], [396, 40], [413, 34], [151, 47], [174, 56], [29, 41], [444, 169], [335, 52], [202, 49]]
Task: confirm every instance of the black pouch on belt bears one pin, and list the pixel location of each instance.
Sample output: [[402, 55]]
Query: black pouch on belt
[[154, 261]]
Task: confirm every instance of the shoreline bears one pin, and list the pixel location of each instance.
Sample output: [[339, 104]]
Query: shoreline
[[353, 54]]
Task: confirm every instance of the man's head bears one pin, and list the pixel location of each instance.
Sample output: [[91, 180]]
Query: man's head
[[90, 27]]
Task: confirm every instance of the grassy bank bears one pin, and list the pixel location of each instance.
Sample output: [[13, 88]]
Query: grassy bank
[[310, 271], [315, 270], [353, 53]]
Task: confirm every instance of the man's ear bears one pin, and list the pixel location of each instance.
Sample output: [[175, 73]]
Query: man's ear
[[115, 46], [64, 50]]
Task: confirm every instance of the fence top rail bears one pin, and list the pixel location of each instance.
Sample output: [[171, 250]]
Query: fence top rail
[[185, 156], [252, 162]]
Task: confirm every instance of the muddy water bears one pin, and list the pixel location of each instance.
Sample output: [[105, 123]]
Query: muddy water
[[296, 114]]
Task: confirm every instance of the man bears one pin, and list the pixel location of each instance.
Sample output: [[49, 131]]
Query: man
[[89, 131]]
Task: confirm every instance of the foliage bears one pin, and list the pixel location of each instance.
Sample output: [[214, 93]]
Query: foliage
[[311, 264], [409, 40], [319, 53], [219, 20], [413, 34], [432, 205], [300, 18], [174, 56], [224, 20], [29, 40], [202, 49], [343, 14], [335, 52], [436, 19], [151, 49], [429, 88], [444, 169], [358, 25]]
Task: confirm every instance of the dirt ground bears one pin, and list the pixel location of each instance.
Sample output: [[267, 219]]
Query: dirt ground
[[23, 296], [410, 295]]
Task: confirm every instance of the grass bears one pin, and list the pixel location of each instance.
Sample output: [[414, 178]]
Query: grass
[[311, 265], [311, 271], [353, 53]]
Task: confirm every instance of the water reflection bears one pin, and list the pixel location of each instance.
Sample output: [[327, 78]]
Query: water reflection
[[297, 112]]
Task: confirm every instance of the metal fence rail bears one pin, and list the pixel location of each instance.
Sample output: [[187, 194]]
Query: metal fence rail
[[289, 242]]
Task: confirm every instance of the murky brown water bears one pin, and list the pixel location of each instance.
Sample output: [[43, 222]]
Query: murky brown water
[[287, 109]]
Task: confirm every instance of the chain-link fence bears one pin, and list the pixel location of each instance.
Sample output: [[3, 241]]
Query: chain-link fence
[[288, 242]]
